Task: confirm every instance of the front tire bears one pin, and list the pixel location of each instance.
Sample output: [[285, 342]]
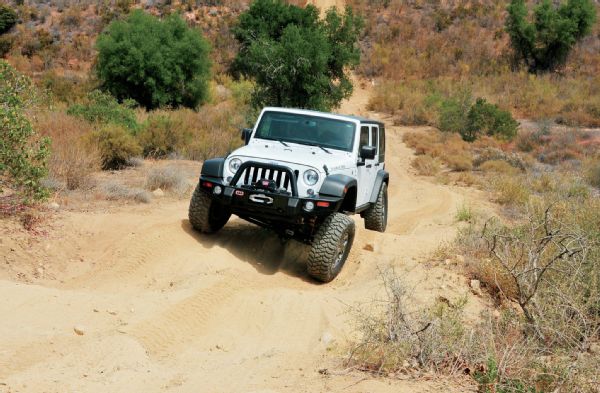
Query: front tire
[[206, 215], [376, 216], [331, 247]]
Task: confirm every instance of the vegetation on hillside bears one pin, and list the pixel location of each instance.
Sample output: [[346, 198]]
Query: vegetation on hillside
[[297, 59], [157, 63], [545, 43]]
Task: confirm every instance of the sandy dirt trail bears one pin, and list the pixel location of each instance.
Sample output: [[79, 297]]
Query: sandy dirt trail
[[166, 309]]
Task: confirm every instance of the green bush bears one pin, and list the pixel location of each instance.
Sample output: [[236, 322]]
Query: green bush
[[103, 108], [162, 135], [116, 146], [8, 18], [545, 43], [296, 58], [454, 112], [5, 45], [458, 114], [22, 154], [487, 119], [156, 63]]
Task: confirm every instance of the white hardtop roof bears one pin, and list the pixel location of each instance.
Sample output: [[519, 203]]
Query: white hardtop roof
[[323, 114]]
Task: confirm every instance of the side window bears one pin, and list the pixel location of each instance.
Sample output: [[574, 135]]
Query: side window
[[364, 136], [381, 144], [374, 137]]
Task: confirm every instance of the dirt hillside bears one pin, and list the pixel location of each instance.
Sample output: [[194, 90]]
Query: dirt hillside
[[162, 308]]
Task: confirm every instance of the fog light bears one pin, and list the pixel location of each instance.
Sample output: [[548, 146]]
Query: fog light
[[218, 190], [309, 206]]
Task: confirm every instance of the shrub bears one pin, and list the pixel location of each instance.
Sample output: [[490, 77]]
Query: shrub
[[460, 161], [102, 108], [498, 166], [510, 190], [487, 119], [454, 112], [5, 45], [156, 63], [72, 160], [545, 43], [426, 165], [458, 114], [162, 134], [167, 179], [67, 89], [296, 58], [116, 146], [23, 154], [8, 18]]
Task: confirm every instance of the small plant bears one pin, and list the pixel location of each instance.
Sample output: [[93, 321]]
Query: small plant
[[464, 213], [116, 146], [593, 173]]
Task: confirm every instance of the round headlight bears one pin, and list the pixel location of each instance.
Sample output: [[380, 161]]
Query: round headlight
[[234, 164], [310, 177]]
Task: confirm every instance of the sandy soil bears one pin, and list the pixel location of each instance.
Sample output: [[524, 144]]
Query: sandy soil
[[163, 308]]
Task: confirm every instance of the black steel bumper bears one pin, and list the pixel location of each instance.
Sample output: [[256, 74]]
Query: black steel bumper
[[266, 206]]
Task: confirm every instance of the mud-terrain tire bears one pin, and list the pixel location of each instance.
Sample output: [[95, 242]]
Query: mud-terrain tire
[[376, 215], [205, 214], [330, 247]]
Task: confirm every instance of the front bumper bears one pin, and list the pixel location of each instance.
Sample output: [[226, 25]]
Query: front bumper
[[269, 207]]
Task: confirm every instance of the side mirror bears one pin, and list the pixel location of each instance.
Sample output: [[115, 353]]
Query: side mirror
[[246, 133], [367, 152]]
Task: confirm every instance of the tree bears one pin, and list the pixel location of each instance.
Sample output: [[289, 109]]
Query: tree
[[155, 62], [8, 18], [296, 58], [545, 43]]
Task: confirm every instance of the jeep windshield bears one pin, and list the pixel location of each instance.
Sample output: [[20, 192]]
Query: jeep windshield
[[306, 130]]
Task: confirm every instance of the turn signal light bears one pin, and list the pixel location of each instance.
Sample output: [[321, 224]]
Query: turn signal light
[[323, 204], [207, 184]]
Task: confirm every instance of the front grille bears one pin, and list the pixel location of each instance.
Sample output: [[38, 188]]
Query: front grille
[[250, 172]]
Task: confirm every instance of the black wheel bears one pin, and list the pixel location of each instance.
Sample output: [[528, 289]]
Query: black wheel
[[205, 214], [376, 216], [331, 247]]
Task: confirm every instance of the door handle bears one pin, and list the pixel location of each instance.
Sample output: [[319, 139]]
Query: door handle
[[369, 166]]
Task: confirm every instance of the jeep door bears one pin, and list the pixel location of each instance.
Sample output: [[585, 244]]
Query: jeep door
[[367, 168]]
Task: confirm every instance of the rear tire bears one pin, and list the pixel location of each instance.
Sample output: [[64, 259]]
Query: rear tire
[[376, 216], [331, 247], [206, 215]]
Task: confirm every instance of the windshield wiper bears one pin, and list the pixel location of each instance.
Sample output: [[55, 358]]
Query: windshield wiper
[[282, 142], [322, 148]]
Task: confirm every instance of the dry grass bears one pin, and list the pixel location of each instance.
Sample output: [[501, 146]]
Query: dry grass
[[114, 191], [168, 178], [426, 165], [73, 159]]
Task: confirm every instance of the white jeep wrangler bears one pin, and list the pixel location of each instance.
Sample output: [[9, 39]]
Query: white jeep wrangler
[[301, 173]]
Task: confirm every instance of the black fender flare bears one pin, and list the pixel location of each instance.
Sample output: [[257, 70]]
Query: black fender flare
[[213, 168], [337, 185], [340, 186], [382, 177]]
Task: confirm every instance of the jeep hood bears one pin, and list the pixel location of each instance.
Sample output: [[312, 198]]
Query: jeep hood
[[311, 156]]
